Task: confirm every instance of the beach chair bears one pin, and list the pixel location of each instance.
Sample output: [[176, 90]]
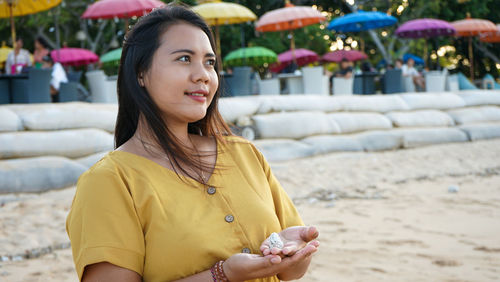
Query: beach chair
[[35, 89], [464, 83], [435, 81], [342, 86], [313, 81], [240, 83], [4, 91], [452, 83], [268, 86], [393, 81], [102, 90]]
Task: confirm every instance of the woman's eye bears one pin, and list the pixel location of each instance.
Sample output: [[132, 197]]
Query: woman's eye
[[184, 59], [211, 62]]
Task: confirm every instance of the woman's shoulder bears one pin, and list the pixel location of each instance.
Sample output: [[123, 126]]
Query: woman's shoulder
[[238, 145]]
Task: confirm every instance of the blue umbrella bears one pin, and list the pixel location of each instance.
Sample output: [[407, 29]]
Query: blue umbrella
[[355, 22], [417, 59]]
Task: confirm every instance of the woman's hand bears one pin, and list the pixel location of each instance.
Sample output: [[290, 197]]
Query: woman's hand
[[241, 267], [294, 238]]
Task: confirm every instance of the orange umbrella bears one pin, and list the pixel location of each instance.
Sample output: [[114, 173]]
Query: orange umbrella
[[472, 27], [491, 37], [289, 18]]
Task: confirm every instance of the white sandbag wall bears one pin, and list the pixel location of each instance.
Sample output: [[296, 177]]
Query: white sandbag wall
[[48, 146]]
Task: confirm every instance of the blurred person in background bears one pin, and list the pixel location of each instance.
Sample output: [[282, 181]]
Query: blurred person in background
[[58, 76], [17, 58], [42, 49]]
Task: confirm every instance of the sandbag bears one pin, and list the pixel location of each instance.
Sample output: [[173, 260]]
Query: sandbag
[[354, 122], [426, 136], [480, 97], [422, 118], [371, 103], [294, 103], [38, 174], [232, 108], [89, 161], [433, 101], [481, 131], [294, 125], [323, 144], [379, 140], [69, 143], [67, 116], [283, 149], [476, 114], [9, 121]]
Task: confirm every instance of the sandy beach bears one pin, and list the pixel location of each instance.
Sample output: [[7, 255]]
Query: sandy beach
[[424, 214]]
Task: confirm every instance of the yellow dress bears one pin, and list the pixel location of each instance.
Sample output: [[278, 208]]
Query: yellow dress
[[137, 214]]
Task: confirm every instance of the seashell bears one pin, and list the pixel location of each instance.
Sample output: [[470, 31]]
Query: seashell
[[275, 241]]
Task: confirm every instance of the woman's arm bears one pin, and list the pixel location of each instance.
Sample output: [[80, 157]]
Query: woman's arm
[[105, 271]]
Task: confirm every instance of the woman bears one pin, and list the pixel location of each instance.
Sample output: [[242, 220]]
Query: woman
[[41, 50], [180, 198]]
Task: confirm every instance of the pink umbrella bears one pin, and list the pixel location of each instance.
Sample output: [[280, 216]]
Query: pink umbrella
[[109, 9], [303, 57], [74, 56], [425, 28], [338, 56]]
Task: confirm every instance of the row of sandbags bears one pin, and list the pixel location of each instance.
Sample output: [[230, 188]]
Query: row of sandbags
[[103, 116], [277, 125], [236, 107], [374, 140]]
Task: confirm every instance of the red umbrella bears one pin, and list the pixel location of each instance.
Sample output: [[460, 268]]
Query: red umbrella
[[109, 9], [74, 56], [491, 37], [338, 56], [289, 18], [472, 27], [302, 56]]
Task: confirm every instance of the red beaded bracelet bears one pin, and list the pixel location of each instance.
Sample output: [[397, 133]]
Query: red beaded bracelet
[[218, 272]]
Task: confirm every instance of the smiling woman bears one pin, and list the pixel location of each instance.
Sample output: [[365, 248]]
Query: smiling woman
[[180, 198]]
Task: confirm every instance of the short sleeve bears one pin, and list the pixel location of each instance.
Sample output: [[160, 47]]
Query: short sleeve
[[103, 225], [285, 209]]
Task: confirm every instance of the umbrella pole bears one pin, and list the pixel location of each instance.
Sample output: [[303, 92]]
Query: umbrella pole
[[292, 46], [471, 58]]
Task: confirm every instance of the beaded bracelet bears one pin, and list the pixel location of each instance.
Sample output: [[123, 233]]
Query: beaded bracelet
[[218, 274]]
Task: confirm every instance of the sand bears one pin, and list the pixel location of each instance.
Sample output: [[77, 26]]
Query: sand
[[385, 216]]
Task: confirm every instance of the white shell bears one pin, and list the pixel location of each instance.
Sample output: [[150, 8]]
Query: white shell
[[275, 241]]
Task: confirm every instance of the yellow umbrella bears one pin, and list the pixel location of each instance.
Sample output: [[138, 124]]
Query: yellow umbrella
[[218, 13], [15, 8]]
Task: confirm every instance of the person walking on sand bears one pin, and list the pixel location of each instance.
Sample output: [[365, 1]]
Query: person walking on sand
[[180, 198]]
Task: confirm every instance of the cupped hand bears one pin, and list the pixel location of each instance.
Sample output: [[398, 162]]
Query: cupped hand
[[294, 238]]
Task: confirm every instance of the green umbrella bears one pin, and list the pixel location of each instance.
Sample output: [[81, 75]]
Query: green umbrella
[[251, 56], [111, 56]]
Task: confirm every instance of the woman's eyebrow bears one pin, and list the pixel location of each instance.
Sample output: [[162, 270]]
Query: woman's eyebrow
[[189, 51]]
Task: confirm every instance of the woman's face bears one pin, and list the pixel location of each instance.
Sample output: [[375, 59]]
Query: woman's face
[[182, 80]]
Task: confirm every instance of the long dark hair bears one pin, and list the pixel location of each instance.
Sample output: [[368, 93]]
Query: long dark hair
[[134, 101]]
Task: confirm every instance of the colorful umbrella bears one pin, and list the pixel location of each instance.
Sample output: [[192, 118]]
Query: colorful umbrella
[[15, 8], [110, 9], [111, 56], [301, 56], [491, 37], [251, 56], [74, 56], [289, 18], [472, 27], [361, 20], [338, 56], [425, 28], [219, 13]]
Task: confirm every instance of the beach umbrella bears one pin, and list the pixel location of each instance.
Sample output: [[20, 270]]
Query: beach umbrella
[[339, 55], [470, 27], [111, 56], [16, 8], [425, 28], [491, 37], [300, 56], [360, 21], [252, 56], [219, 13], [74, 56], [124, 9], [289, 18], [417, 59]]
